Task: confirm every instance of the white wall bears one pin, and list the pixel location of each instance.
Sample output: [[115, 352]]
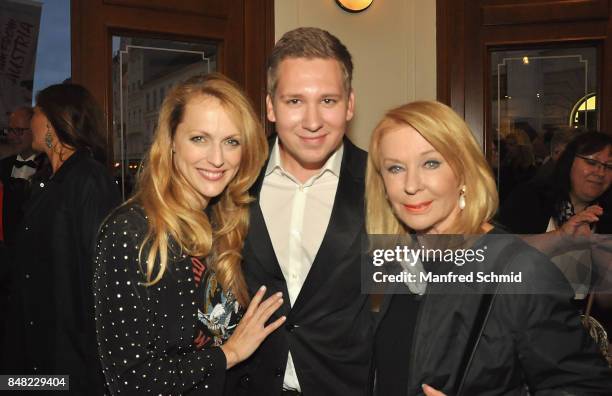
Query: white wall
[[393, 44]]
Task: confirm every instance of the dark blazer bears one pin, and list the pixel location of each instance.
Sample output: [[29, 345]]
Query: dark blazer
[[328, 330], [51, 328], [16, 193], [532, 336]]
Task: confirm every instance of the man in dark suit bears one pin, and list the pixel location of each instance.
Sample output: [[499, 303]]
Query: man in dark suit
[[16, 173], [18, 170], [306, 227]]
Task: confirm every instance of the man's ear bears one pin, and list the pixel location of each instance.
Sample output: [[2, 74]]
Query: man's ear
[[350, 108], [270, 109]]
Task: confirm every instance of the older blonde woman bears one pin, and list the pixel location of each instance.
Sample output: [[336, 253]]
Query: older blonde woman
[[426, 175], [171, 300]]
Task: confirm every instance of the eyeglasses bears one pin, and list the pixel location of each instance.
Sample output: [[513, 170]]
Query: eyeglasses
[[15, 131], [595, 163]]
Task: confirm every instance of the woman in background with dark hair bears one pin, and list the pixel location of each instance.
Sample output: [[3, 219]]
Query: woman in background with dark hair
[[577, 198], [575, 202], [52, 328]]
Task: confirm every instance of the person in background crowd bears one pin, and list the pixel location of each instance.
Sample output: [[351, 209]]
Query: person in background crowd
[[306, 226], [517, 160], [17, 171], [16, 175], [51, 329], [427, 176], [561, 136], [169, 290], [574, 199], [575, 202]]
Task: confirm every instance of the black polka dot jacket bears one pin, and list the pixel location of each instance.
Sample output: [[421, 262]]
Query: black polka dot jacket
[[148, 335]]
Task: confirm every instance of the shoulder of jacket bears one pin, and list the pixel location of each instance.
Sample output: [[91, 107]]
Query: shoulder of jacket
[[354, 159], [127, 217]]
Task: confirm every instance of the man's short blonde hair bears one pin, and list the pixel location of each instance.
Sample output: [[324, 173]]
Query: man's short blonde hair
[[309, 43]]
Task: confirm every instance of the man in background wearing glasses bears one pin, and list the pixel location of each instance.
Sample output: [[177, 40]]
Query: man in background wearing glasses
[[16, 171], [16, 174]]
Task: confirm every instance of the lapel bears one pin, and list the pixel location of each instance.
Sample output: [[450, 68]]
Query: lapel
[[6, 168], [258, 237], [445, 341], [345, 223], [384, 306], [451, 321], [178, 299], [261, 244]]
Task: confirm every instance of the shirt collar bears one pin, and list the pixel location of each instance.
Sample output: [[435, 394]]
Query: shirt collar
[[30, 158], [333, 163]]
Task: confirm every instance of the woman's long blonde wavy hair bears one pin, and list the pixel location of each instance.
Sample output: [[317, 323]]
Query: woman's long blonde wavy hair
[[452, 138], [173, 206]]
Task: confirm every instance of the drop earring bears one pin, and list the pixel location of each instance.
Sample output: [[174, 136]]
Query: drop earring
[[48, 138], [462, 198]]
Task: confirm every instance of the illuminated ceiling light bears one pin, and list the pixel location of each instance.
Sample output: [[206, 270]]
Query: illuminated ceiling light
[[525, 60], [354, 5]]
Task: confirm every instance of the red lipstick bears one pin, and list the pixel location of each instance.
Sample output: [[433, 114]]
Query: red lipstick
[[418, 208]]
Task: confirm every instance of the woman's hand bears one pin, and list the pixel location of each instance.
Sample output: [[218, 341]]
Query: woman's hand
[[252, 329], [429, 391], [575, 234], [580, 224]]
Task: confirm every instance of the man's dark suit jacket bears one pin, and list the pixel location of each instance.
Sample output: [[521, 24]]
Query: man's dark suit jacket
[[16, 193], [12, 198], [328, 330]]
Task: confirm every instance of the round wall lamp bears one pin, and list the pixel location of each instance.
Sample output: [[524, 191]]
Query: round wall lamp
[[354, 5]]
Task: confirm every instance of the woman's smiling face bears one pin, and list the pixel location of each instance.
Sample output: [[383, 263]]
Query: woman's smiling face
[[421, 187], [590, 176], [206, 146]]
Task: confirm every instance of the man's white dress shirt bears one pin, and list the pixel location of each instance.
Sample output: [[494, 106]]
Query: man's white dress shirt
[[24, 172], [296, 216]]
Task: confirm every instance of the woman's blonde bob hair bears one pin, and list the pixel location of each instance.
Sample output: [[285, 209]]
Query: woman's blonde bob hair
[[452, 138], [177, 221]]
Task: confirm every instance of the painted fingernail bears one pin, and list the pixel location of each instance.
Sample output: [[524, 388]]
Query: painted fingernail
[[262, 288], [279, 294], [280, 301]]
